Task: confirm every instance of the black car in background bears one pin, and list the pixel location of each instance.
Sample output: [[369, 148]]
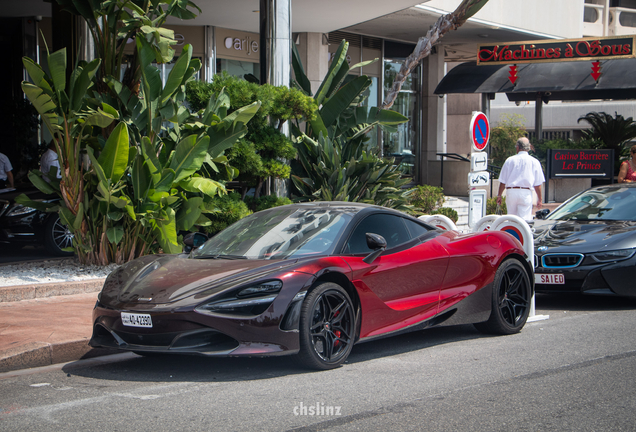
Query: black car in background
[[21, 225], [588, 244]]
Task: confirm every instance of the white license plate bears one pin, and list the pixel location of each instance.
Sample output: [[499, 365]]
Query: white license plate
[[136, 320], [549, 279]]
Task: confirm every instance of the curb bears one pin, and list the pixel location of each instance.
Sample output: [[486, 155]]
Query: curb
[[37, 354], [42, 290]]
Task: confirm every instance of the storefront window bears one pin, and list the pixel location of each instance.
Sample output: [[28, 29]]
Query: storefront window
[[371, 100], [238, 68], [403, 144]]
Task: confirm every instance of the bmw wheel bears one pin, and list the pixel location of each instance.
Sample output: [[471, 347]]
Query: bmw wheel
[[57, 236], [326, 327], [512, 293]]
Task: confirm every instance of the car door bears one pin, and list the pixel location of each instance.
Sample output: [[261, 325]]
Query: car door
[[401, 287]]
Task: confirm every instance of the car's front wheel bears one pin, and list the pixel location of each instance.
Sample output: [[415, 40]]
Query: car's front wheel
[[511, 296], [57, 236], [326, 327]]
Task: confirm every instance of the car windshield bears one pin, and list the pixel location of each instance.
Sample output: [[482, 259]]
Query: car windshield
[[282, 232], [600, 204]]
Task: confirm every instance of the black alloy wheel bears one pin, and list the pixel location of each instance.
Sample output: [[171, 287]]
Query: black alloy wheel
[[512, 293], [327, 326], [57, 236]]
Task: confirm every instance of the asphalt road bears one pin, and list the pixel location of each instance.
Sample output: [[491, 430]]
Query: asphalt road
[[574, 371]]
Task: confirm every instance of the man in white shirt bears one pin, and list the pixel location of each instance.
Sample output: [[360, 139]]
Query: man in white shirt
[[518, 176], [6, 176], [48, 160]]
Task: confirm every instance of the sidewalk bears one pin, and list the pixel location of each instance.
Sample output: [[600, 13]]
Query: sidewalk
[[52, 329]]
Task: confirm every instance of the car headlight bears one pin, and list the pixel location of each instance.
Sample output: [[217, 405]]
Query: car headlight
[[20, 210], [615, 255], [247, 301]]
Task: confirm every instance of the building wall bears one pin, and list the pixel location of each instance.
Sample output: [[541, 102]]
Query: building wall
[[562, 18]]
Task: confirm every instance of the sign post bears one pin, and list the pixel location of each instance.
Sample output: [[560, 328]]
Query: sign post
[[478, 175]]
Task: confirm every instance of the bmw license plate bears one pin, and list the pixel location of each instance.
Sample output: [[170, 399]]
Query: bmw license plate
[[549, 279], [136, 320]]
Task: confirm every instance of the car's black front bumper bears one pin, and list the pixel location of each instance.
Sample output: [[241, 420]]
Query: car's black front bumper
[[615, 278]]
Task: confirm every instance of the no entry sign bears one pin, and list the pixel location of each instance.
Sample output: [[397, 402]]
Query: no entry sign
[[479, 130]]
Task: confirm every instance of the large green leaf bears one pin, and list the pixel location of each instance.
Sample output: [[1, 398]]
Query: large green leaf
[[299, 72], [34, 70], [114, 157], [81, 83], [57, 68], [175, 79], [222, 139], [243, 114], [100, 119], [38, 205], [189, 156], [189, 213], [40, 183], [141, 178], [167, 233], [340, 101], [96, 167], [201, 184], [339, 58], [115, 234]]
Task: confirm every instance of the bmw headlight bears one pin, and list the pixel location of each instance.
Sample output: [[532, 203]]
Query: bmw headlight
[[247, 301], [20, 210], [615, 255]]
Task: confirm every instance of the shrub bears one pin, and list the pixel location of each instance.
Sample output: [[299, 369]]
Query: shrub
[[504, 136], [265, 202], [491, 206], [448, 212], [228, 209], [425, 198]]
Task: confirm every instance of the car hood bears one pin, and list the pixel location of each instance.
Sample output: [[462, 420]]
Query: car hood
[[161, 279], [584, 236]]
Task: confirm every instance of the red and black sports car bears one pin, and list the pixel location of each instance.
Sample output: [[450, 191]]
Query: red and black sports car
[[314, 279]]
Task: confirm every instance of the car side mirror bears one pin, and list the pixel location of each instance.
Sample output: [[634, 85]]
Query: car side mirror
[[541, 214], [193, 240], [377, 243]]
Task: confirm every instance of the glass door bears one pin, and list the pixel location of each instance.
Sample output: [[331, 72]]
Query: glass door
[[403, 144]]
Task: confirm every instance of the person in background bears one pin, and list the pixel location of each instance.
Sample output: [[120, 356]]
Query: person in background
[[519, 174], [6, 176], [627, 173], [48, 160]]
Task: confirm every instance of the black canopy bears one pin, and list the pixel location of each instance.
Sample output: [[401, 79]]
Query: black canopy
[[550, 81]]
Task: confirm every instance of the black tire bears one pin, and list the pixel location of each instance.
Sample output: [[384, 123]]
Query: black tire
[[327, 325], [57, 237], [511, 296]]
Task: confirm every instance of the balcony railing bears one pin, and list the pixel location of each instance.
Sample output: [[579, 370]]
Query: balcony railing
[[622, 21], [593, 20]]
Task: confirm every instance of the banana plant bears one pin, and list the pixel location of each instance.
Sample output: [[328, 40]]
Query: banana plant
[[112, 23], [333, 163], [362, 176], [143, 187], [339, 115]]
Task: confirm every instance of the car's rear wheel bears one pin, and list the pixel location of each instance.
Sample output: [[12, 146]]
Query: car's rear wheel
[[511, 296], [327, 325], [57, 236]]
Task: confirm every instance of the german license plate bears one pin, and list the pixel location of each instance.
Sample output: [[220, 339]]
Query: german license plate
[[549, 279], [136, 320]]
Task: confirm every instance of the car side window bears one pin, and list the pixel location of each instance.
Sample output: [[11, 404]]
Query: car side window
[[391, 227], [415, 229]]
